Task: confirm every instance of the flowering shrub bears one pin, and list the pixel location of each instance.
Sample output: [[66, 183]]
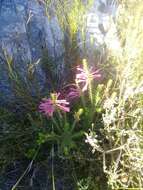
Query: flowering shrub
[[65, 131]]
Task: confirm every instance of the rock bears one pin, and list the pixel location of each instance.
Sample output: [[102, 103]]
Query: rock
[[25, 31], [100, 22]]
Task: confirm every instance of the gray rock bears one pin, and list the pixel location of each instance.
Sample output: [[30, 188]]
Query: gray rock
[[25, 32], [100, 22]]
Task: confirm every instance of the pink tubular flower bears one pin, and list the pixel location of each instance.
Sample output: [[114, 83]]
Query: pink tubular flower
[[48, 106], [73, 93], [85, 76]]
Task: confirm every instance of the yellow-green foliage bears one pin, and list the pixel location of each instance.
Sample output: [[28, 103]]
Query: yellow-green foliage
[[71, 14], [123, 104], [131, 33], [125, 169]]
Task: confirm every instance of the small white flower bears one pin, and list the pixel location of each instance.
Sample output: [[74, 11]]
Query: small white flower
[[110, 102], [110, 116], [91, 139]]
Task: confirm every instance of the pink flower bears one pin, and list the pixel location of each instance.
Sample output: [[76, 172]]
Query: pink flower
[[85, 76], [73, 93], [48, 106], [70, 92]]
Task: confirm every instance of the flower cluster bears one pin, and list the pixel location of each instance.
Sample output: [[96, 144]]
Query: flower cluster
[[59, 101]]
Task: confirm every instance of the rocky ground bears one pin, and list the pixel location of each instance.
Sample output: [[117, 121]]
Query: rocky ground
[[39, 177]]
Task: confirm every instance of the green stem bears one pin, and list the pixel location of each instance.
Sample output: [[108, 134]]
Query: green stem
[[57, 126], [53, 177], [90, 92], [73, 125], [60, 118]]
